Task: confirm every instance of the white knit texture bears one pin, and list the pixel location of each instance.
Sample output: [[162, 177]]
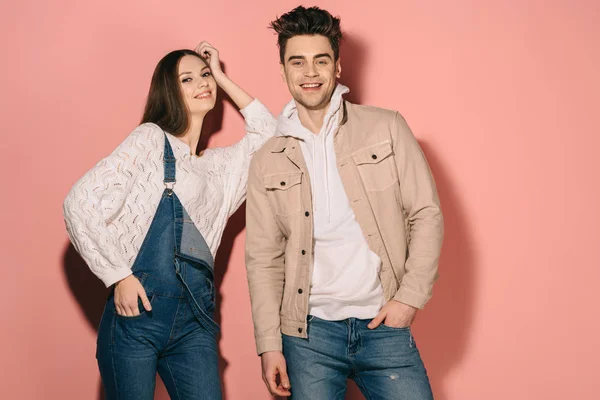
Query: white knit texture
[[109, 210]]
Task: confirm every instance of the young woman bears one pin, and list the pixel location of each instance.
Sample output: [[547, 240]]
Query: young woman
[[148, 220]]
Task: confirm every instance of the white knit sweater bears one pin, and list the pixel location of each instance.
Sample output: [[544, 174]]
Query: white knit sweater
[[109, 210]]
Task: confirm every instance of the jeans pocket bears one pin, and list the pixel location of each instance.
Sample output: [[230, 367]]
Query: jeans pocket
[[404, 334], [211, 288], [393, 328], [141, 309], [208, 296]]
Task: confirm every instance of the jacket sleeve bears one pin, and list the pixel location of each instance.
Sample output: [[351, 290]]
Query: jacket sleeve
[[422, 210], [265, 248]]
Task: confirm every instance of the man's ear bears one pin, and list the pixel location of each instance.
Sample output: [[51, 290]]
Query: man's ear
[[338, 68]]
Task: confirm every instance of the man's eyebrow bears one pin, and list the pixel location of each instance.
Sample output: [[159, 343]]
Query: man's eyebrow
[[320, 55], [296, 58]]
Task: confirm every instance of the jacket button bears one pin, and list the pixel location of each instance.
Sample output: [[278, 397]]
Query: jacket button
[[303, 252], [282, 183], [374, 157], [299, 330], [307, 213], [300, 291]]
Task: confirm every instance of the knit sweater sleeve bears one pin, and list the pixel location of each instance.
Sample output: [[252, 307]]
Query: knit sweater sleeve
[[233, 161], [98, 199]]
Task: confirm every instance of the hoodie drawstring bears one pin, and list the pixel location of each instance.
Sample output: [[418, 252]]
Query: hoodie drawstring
[[326, 168]]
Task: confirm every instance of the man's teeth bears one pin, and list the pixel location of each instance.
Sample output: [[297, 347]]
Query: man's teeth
[[311, 85]]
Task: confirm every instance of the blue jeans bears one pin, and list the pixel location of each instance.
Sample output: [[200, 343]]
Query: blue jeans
[[178, 338], [384, 362]]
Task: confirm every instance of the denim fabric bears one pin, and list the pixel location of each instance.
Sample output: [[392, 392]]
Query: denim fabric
[[177, 338], [384, 362]]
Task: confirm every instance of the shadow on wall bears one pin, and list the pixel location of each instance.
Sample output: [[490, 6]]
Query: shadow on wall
[[444, 327], [352, 52], [90, 293]]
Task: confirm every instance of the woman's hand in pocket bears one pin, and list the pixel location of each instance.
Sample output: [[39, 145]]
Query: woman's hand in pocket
[[127, 292]]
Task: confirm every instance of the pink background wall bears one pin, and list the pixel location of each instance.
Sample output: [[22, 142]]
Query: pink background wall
[[500, 94]]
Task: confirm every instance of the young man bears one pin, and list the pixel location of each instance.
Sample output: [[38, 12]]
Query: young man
[[344, 232]]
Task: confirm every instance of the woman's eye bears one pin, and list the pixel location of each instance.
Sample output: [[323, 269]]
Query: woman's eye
[[185, 80], [206, 74]]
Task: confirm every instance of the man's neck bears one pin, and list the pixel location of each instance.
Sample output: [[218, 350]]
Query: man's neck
[[312, 119]]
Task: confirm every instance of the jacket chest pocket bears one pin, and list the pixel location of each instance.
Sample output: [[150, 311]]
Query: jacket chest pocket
[[285, 192], [376, 166]]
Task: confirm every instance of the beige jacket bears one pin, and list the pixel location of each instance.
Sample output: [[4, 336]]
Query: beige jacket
[[394, 199]]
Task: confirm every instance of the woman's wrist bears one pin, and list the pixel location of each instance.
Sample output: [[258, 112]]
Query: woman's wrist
[[220, 77], [235, 93]]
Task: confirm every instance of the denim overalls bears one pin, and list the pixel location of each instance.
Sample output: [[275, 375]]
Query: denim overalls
[[177, 338]]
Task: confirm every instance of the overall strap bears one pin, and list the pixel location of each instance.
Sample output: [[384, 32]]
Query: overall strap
[[169, 164]]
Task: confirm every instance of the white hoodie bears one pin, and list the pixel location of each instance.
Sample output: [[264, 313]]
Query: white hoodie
[[345, 281]]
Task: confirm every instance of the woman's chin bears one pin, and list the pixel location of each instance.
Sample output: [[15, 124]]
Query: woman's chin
[[201, 111]]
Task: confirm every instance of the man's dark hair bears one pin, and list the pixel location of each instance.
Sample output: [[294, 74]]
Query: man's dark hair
[[307, 21]]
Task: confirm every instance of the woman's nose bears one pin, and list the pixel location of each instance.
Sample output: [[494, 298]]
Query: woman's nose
[[202, 82]]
